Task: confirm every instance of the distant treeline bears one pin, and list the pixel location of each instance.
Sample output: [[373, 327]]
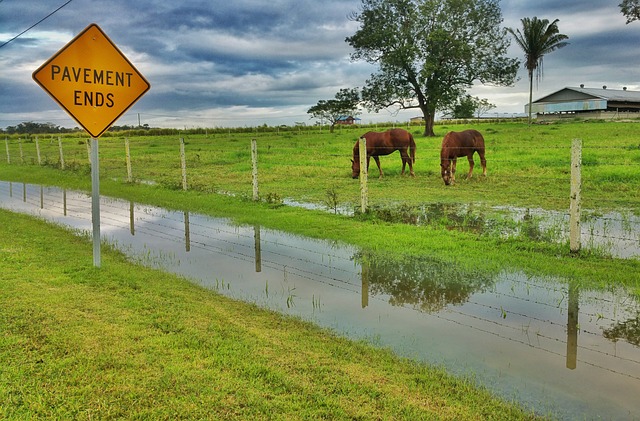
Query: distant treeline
[[32, 128]]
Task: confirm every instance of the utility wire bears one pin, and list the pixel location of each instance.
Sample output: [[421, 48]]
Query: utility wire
[[35, 24]]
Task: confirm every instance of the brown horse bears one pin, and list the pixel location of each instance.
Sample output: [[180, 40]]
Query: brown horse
[[457, 144], [385, 143]]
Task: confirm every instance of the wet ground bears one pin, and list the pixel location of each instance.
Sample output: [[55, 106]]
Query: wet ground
[[543, 342]]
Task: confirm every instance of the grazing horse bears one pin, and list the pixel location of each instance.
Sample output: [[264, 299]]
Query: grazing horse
[[457, 144], [385, 143]]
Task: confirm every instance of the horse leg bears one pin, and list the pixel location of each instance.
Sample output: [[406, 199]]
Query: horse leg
[[470, 158], [378, 163], [406, 159], [453, 170], [483, 161]]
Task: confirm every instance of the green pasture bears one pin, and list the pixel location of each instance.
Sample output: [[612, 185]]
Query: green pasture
[[528, 166]]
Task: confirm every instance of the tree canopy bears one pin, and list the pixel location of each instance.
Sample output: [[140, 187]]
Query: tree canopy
[[630, 9], [430, 52], [345, 104], [469, 107], [537, 38]]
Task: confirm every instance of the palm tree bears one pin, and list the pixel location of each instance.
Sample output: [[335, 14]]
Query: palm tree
[[537, 38]]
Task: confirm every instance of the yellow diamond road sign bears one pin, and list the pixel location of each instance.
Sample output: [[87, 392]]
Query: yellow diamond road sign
[[92, 80]]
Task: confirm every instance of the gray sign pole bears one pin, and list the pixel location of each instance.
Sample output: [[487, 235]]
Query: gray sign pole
[[95, 201]]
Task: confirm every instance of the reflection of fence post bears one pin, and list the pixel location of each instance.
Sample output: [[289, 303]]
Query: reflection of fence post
[[576, 187], [572, 326], [256, 237], [6, 144], [38, 151], [254, 168], [364, 301], [132, 219], [128, 158], [187, 232], [364, 194], [183, 161], [61, 154]]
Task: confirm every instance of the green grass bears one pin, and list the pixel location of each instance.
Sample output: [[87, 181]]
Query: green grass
[[129, 342], [528, 167]]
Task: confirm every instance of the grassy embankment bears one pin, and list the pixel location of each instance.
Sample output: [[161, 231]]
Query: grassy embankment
[[125, 341]]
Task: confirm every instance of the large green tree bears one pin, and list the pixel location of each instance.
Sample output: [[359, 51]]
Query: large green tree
[[345, 104], [537, 38], [430, 52]]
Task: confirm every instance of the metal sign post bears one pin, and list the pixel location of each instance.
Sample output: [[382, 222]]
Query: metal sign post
[[95, 83], [95, 201]]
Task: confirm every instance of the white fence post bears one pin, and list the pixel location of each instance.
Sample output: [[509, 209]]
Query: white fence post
[[254, 168], [183, 161], [6, 143], [61, 154], [364, 193], [128, 158], [576, 187], [38, 151]]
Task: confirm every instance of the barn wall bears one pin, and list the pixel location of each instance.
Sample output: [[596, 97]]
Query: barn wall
[[590, 115]]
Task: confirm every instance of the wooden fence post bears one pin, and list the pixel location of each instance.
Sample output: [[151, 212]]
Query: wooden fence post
[[183, 163], [89, 149], [576, 187], [20, 149], [38, 151], [128, 158], [254, 168], [61, 154], [364, 193], [6, 143]]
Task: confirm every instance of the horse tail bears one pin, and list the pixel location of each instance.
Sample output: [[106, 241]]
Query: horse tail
[[478, 141], [412, 148]]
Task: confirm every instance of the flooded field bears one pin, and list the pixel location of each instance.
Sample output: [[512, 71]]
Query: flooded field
[[541, 341]]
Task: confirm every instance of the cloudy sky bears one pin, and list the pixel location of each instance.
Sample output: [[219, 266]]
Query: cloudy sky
[[254, 62]]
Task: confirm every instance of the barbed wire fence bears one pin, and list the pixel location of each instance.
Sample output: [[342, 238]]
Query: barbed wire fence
[[193, 158]]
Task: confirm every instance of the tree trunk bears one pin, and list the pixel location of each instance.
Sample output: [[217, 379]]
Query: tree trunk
[[429, 118], [530, 94]]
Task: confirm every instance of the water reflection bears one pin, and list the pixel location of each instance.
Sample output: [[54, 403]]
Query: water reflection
[[544, 342], [613, 233], [423, 283], [627, 330]]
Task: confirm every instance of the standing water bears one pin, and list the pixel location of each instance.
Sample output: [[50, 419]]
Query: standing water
[[557, 349]]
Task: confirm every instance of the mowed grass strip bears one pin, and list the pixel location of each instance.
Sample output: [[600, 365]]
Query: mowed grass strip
[[124, 341]]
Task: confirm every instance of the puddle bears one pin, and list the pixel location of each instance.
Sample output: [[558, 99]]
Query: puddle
[[616, 234], [548, 345]]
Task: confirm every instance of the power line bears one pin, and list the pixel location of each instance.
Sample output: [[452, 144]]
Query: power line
[[35, 24]]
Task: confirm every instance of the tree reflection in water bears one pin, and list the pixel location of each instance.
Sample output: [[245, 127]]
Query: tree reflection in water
[[628, 330], [424, 283]]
